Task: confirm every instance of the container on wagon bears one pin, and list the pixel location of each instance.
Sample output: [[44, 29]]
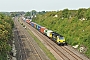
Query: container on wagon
[[42, 29], [32, 24], [27, 21], [38, 27], [35, 25]]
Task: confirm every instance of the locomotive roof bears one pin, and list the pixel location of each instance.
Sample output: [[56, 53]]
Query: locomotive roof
[[54, 33]]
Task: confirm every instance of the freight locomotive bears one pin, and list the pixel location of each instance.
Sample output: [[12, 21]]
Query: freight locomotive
[[57, 38]]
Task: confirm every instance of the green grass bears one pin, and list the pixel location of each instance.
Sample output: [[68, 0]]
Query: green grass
[[41, 45]]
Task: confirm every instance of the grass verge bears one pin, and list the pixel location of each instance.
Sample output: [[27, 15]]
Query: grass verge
[[41, 45]]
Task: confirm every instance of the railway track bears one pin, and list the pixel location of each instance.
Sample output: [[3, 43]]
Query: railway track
[[70, 55], [21, 54], [29, 42], [33, 53]]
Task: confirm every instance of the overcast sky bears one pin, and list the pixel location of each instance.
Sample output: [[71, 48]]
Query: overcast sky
[[42, 5]]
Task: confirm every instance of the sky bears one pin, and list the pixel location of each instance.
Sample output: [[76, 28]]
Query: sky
[[42, 5]]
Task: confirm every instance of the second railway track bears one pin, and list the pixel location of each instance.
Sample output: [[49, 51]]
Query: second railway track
[[28, 47]]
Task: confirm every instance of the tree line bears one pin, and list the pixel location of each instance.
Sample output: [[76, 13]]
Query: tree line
[[6, 25]]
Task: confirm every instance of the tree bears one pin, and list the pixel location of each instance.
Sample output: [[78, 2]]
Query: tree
[[81, 13], [33, 12], [6, 25], [88, 14], [28, 14], [65, 13]]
